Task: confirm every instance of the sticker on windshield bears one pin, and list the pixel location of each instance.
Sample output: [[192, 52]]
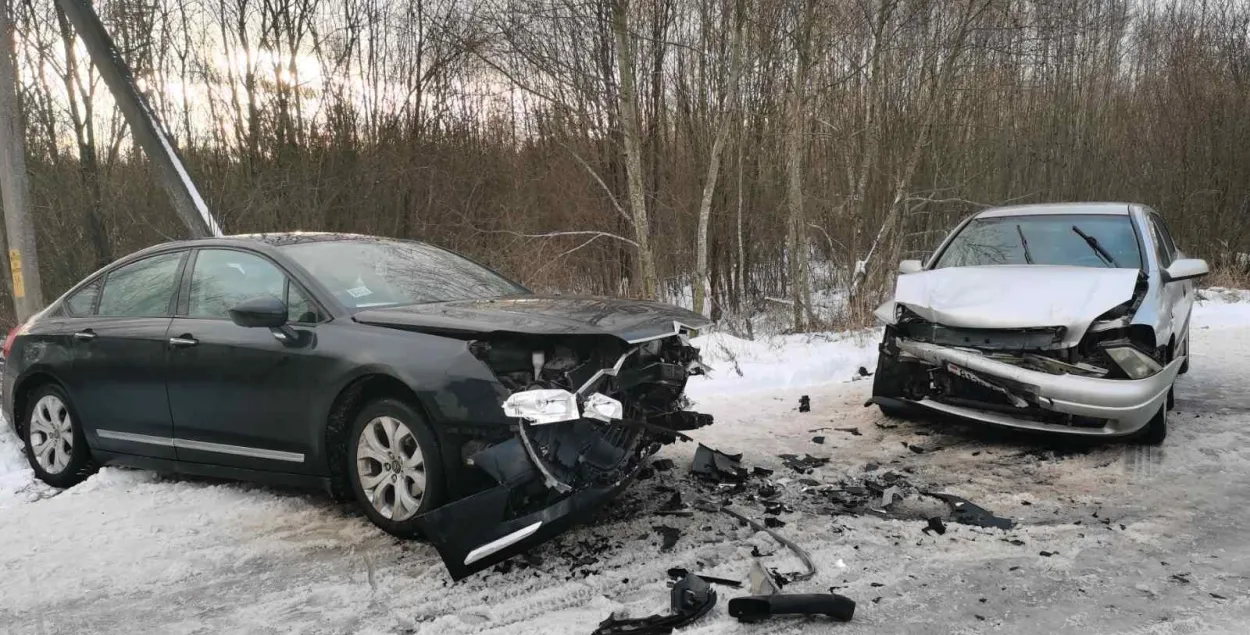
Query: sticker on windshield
[[359, 292]]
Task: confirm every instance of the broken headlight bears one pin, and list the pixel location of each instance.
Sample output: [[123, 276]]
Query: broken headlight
[[604, 408], [542, 406], [1134, 363]]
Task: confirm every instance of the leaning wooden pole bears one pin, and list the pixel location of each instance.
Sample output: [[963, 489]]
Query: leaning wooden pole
[[19, 227], [148, 132]]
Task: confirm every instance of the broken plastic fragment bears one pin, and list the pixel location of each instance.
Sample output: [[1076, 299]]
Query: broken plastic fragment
[[761, 607], [717, 464], [805, 404], [692, 598], [966, 513]]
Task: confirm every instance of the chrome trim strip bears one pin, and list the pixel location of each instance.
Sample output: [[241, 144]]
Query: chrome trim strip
[[599, 374], [499, 544], [114, 435], [239, 450], [202, 446]]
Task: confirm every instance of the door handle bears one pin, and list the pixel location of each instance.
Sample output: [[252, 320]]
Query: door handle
[[85, 335], [183, 342]]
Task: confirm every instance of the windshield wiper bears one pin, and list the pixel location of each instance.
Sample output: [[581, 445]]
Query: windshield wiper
[[1024, 242], [1098, 249]]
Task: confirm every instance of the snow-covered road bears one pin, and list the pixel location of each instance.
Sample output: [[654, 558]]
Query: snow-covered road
[[1144, 540]]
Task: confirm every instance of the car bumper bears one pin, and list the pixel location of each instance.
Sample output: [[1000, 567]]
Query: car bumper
[[1125, 405], [473, 533]]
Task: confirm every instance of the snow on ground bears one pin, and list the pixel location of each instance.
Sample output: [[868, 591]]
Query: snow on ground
[[1142, 540]]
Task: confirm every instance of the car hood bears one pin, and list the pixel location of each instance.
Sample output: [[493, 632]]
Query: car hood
[[630, 320], [1016, 296]]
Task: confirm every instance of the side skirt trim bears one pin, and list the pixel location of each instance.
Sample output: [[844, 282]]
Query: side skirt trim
[[202, 446]]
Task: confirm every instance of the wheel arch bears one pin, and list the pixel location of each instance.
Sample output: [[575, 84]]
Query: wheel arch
[[21, 395], [349, 400]]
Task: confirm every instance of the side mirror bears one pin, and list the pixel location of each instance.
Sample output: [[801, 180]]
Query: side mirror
[[263, 312], [910, 266], [1186, 269]]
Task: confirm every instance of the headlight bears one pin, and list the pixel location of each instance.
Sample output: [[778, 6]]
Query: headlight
[[1135, 363], [542, 406], [604, 408]]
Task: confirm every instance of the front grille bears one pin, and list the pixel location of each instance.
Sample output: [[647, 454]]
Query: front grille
[[988, 339]]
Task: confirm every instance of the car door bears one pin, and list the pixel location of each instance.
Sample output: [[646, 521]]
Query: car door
[[117, 376], [240, 396]]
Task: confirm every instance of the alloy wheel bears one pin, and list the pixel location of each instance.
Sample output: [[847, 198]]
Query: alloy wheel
[[51, 434], [391, 468]]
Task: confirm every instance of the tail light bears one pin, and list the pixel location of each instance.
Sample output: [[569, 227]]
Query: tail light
[[8, 341]]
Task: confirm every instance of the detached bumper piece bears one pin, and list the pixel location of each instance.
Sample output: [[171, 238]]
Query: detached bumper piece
[[692, 597], [1034, 400], [755, 608]]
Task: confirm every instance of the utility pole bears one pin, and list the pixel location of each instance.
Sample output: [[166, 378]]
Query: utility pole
[[186, 199], [15, 184]]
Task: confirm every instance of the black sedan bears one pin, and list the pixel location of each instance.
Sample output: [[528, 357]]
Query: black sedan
[[447, 400]]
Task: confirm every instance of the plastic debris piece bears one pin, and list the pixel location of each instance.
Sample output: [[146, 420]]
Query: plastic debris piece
[[662, 465], [937, 526], [852, 431], [678, 573], [692, 598], [805, 404], [802, 464], [717, 465], [818, 440], [761, 471], [761, 607], [669, 535], [966, 513], [773, 522]]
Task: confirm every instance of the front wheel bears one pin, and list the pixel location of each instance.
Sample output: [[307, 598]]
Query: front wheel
[[55, 444], [394, 466], [1157, 430], [891, 379]]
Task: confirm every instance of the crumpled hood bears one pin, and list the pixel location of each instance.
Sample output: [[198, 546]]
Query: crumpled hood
[[630, 320], [1016, 296]]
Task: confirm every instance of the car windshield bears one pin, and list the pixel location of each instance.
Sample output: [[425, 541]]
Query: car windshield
[[373, 273], [1082, 240]]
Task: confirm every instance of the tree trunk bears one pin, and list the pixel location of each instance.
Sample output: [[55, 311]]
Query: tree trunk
[[703, 281], [632, 138], [800, 280]]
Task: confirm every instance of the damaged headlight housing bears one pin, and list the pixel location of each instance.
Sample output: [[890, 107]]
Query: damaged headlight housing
[[1134, 363], [542, 406], [604, 408]]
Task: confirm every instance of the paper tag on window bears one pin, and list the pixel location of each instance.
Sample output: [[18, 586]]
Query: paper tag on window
[[359, 292]]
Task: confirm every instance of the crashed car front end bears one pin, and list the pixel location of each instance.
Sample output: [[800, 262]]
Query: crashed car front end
[[1099, 375], [585, 412]]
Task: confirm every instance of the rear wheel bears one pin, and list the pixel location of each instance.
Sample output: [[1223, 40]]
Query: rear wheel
[[394, 466], [55, 444]]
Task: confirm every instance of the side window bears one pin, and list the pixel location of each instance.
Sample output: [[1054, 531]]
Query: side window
[[141, 289], [1167, 236], [299, 309], [82, 303], [223, 278]]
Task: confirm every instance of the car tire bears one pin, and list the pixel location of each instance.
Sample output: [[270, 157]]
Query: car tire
[[1156, 431], [889, 381], [392, 452], [56, 446]]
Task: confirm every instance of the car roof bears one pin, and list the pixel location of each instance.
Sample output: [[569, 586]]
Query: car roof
[[270, 239], [1040, 209]]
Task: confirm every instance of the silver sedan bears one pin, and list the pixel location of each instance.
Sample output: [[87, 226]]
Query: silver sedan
[[1069, 318]]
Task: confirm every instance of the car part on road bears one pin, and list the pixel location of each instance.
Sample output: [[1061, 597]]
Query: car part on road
[[692, 598], [936, 525], [805, 404], [966, 513], [802, 465], [804, 557], [678, 573], [717, 465], [757, 608]]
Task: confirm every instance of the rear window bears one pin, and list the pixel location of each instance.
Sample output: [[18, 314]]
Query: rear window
[[1053, 239]]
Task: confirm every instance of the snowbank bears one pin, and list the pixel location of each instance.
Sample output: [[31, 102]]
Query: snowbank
[[789, 361]]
